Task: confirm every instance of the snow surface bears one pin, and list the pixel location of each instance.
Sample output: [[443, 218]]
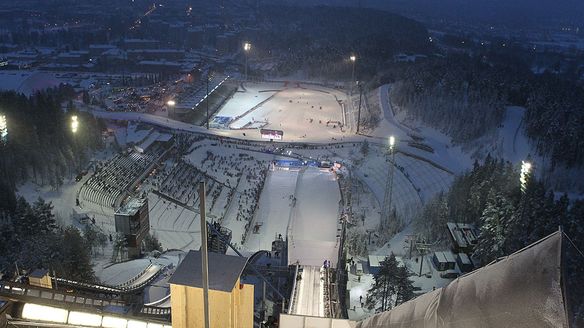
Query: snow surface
[[313, 230], [274, 209], [310, 298], [248, 97]]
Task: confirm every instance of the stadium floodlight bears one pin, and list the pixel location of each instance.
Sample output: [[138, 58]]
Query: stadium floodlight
[[3, 128], [524, 175], [388, 194], [353, 59], [74, 123], [246, 48], [171, 103]]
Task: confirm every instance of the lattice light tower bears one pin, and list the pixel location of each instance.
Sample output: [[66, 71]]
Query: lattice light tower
[[386, 209]]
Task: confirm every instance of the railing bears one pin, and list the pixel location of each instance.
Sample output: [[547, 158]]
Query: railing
[[23, 292]]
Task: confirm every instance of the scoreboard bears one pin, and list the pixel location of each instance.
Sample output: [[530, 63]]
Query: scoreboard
[[272, 134]]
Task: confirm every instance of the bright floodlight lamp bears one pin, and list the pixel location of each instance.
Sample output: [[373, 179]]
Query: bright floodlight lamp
[[391, 141], [524, 176], [247, 46], [353, 58], [74, 123], [3, 128], [171, 103]]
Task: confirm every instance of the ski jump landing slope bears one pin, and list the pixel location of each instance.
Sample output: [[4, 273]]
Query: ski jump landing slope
[[312, 231]]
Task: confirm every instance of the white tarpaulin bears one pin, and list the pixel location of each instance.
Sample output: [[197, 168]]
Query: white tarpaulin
[[521, 290]]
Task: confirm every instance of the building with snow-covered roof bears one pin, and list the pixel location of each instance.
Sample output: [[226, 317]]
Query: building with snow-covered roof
[[463, 236], [444, 261]]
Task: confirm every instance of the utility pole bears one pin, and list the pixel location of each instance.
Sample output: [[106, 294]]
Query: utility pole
[[204, 254]]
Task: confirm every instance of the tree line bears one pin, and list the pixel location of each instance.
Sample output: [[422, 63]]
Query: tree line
[[465, 96], [509, 217], [320, 40], [32, 239], [40, 145]]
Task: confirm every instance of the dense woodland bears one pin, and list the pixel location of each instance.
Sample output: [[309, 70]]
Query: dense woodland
[[465, 97], [40, 145], [31, 239], [490, 197], [319, 41]]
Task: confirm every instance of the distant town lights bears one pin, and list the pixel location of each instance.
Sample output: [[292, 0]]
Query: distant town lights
[[74, 123]]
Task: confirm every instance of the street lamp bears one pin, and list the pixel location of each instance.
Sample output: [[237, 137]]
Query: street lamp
[[74, 123], [246, 50]]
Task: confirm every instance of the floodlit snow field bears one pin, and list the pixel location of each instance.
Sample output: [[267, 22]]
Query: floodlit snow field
[[274, 209], [244, 99], [312, 233], [290, 110]]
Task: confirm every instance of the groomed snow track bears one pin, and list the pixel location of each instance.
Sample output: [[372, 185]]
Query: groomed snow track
[[310, 292]]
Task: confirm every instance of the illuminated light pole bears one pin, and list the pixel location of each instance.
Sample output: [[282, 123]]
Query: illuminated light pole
[[524, 179], [74, 124], [246, 50], [171, 103], [353, 59], [3, 129], [524, 175], [386, 210]]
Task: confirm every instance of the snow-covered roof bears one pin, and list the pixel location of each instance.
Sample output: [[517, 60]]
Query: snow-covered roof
[[135, 134]]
